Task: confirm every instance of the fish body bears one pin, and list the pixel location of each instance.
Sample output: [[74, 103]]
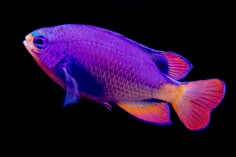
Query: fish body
[[108, 67]]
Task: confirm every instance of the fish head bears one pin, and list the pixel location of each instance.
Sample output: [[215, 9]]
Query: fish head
[[49, 46], [46, 45], [36, 43]]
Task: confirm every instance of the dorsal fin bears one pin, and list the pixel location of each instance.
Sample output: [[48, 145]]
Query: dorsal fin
[[171, 64]]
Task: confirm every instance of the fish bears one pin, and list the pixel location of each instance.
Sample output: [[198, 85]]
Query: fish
[[109, 68]]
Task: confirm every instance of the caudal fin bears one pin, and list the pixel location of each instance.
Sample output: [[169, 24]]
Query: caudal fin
[[198, 100]]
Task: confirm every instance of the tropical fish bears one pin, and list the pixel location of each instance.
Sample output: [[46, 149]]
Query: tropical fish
[[108, 67]]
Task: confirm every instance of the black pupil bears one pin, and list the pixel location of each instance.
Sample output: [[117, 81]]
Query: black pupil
[[39, 41]]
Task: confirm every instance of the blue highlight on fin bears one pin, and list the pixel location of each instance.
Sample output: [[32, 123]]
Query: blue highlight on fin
[[70, 99], [72, 91]]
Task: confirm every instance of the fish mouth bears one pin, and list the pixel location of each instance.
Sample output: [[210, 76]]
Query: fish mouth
[[28, 43]]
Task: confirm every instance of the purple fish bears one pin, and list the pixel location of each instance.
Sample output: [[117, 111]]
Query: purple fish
[[108, 67]]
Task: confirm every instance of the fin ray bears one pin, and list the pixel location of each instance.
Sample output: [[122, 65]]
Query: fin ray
[[198, 100], [154, 112], [171, 64], [72, 92]]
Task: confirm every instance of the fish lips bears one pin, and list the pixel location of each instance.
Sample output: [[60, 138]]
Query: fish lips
[[29, 47], [28, 43]]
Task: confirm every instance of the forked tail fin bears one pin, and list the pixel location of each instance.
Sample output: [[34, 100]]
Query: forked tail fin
[[199, 98]]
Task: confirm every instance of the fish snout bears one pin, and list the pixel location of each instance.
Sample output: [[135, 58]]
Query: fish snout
[[29, 45], [28, 41]]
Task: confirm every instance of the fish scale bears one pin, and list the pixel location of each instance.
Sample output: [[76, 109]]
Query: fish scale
[[111, 71]]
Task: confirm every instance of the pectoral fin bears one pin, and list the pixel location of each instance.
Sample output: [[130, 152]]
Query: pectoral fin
[[72, 92], [154, 112]]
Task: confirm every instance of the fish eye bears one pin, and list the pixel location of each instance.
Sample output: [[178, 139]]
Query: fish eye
[[40, 42]]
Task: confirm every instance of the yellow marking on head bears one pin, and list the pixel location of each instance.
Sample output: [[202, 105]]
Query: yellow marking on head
[[29, 38]]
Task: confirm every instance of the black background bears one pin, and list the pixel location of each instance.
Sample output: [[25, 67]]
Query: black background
[[202, 33]]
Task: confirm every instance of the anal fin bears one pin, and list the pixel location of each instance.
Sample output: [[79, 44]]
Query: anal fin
[[154, 112]]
